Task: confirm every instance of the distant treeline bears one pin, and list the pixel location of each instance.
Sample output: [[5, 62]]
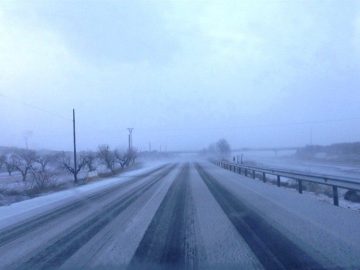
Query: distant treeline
[[337, 150]]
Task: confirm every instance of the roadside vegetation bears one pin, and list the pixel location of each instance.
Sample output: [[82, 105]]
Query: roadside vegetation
[[219, 150], [25, 173]]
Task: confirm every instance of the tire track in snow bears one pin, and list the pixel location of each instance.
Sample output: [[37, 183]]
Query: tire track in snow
[[272, 249], [169, 241], [58, 251], [16, 231]]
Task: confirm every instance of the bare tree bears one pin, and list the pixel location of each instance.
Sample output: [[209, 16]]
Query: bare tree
[[107, 157], [23, 161], [125, 159], [121, 157], [9, 166], [67, 163], [132, 155], [45, 160], [89, 158], [223, 148], [220, 149]]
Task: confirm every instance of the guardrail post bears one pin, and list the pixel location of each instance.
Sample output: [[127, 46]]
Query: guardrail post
[[278, 180], [253, 174], [264, 177], [300, 186], [335, 195]]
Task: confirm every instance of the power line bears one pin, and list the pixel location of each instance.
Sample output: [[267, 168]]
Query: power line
[[285, 124], [26, 104]]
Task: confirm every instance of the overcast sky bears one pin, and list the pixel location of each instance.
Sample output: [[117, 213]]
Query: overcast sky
[[182, 73]]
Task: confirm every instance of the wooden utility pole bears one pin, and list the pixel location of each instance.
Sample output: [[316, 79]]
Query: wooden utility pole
[[74, 135], [130, 138]]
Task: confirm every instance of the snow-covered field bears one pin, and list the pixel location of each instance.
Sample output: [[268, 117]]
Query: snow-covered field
[[189, 215], [286, 160]]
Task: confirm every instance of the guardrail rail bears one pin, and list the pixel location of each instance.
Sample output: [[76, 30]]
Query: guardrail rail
[[328, 180]]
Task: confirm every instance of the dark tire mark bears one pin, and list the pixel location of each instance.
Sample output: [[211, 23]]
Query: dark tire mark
[[166, 242], [62, 248], [14, 232], [272, 248]]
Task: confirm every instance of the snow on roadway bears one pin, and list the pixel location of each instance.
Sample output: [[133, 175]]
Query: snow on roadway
[[111, 248], [223, 246], [330, 233], [16, 212], [327, 233]]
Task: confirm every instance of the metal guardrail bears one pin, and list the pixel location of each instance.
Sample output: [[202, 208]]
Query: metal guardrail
[[300, 177]]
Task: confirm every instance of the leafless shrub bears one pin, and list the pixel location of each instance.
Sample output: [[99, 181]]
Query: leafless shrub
[[41, 180], [352, 196]]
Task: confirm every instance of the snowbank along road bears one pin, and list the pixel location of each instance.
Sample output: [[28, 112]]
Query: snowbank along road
[[181, 216]]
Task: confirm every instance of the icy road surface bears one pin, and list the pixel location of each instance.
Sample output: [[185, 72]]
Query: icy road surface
[[178, 216]]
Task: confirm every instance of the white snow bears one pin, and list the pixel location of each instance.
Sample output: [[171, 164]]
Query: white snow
[[332, 233], [289, 162], [222, 244], [22, 210]]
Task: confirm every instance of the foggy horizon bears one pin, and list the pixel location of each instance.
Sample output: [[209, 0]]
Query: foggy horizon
[[182, 74]]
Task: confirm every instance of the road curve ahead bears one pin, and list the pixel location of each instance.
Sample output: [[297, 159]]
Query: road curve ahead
[[185, 216]]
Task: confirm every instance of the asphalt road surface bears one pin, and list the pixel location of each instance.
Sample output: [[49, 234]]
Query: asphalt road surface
[[188, 215]]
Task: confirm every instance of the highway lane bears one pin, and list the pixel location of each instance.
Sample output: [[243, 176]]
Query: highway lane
[[183, 216], [49, 239]]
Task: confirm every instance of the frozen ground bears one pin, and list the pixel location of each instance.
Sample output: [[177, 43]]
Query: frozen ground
[[184, 215]]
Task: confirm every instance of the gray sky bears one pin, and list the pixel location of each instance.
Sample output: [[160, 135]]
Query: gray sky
[[182, 73]]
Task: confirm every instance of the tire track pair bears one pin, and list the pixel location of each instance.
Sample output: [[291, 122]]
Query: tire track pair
[[272, 248], [14, 232], [60, 249], [166, 242]]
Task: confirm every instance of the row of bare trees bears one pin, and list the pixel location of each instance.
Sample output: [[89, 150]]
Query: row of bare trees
[[42, 165]]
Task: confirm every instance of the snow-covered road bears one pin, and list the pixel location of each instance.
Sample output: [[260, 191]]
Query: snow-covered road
[[187, 215]]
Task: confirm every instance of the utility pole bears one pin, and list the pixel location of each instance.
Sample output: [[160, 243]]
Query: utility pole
[[74, 135], [130, 138]]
